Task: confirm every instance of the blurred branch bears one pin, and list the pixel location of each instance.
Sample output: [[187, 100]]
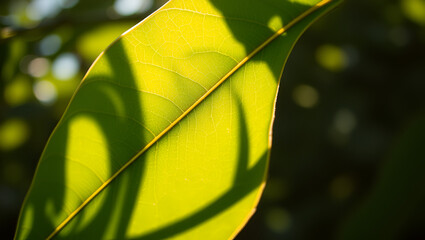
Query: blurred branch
[[73, 19]]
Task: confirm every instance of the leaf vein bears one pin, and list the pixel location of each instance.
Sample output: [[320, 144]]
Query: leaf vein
[[134, 89], [185, 113]]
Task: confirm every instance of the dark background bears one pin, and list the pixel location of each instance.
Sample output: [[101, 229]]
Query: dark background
[[348, 157]]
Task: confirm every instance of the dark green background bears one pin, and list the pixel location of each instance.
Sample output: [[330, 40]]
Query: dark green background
[[348, 157]]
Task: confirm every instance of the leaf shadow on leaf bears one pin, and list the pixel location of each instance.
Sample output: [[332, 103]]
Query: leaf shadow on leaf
[[267, 10], [245, 181], [121, 198], [124, 200], [52, 198]]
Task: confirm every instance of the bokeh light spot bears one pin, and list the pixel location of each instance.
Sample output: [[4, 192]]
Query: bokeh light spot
[[45, 92], [278, 220], [38, 67], [344, 121], [341, 187], [17, 92], [13, 133], [414, 10], [39, 9], [332, 58], [130, 7], [66, 66], [305, 96], [399, 36], [50, 45], [18, 15]]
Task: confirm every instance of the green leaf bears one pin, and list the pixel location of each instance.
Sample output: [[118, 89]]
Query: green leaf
[[169, 133]]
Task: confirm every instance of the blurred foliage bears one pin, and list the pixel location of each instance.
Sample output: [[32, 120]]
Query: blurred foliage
[[347, 159]]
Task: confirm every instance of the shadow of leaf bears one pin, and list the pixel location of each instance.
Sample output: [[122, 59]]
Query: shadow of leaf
[[252, 22], [52, 196], [245, 181], [103, 104], [113, 216]]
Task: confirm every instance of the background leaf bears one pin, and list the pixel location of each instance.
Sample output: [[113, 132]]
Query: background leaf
[[396, 195], [191, 175]]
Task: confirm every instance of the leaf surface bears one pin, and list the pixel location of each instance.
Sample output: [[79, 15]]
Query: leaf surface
[[169, 133]]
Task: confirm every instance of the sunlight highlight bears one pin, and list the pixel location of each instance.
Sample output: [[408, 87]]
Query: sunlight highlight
[[66, 66], [45, 92]]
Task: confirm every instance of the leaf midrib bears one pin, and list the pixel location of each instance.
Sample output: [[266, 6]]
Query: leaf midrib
[[185, 113]]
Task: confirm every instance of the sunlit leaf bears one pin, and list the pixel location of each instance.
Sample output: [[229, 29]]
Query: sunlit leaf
[[168, 135]]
